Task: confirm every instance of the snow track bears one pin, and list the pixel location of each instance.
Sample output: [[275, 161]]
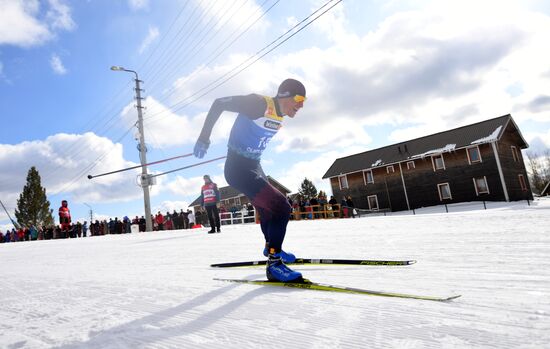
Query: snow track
[[155, 290]]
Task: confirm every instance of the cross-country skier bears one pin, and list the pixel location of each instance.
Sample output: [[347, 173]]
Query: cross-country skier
[[259, 118]]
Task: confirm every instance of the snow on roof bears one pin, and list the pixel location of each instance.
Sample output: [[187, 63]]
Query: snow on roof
[[447, 148], [490, 138], [377, 163]]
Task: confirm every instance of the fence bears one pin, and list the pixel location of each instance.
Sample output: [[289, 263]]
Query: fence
[[238, 217]]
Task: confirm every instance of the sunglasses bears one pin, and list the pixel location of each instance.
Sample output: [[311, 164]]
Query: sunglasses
[[299, 98]]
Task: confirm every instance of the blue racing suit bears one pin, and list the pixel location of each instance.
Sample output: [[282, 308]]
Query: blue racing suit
[[258, 120]]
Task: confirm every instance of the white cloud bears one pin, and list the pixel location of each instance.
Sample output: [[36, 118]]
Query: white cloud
[[59, 15], [419, 71], [22, 24], [57, 65], [136, 5], [19, 25], [62, 161], [313, 169], [170, 206], [162, 127], [152, 35], [191, 187]]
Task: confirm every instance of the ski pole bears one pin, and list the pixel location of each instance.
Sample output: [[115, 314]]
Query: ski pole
[[186, 167], [138, 166], [12, 221]]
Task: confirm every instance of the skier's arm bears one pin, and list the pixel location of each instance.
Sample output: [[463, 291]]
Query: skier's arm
[[252, 105]]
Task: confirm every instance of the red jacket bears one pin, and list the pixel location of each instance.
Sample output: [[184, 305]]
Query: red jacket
[[159, 218]]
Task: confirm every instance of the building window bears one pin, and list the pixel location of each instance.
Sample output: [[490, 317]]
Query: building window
[[368, 177], [237, 201], [522, 182], [410, 165], [481, 186], [515, 154], [473, 155], [343, 180], [390, 169], [444, 191], [373, 202], [438, 162]]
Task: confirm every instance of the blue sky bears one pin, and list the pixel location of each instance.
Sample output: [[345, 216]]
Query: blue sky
[[376, 72]]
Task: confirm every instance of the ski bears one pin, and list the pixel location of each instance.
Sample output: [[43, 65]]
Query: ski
[[309, 285], [312, 261]]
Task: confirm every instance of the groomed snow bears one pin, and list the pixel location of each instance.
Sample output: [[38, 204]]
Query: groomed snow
[[155, 290]]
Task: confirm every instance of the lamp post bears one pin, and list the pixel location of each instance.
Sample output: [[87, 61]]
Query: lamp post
[[91, 212], [145, 181]]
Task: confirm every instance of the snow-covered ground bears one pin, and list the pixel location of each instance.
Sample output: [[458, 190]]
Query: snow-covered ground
[[155, 290]]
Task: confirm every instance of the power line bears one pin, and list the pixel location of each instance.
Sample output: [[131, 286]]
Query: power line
[[191, 52], [235, 70], [219, 51]]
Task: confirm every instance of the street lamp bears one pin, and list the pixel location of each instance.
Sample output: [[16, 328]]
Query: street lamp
[[91, 212], [145, 181]]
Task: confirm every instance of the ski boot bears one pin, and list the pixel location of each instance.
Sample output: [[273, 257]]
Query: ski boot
[[285, 256], [277, 271]]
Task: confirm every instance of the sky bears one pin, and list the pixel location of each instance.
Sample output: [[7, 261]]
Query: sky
[[376, 73]]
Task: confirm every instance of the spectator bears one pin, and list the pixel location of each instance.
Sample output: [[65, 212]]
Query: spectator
[[142, 224], [314, 206], [84, 228], [334, 206], [79, 229], [159, 219], [191, 217], [185, 219], [323, 205], [33, 232], [344, 205], [351, 206], [169, 224], [210, 196]]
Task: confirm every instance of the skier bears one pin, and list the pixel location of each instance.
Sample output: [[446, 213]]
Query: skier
[[210, 196], [64, 216], [259, 118]]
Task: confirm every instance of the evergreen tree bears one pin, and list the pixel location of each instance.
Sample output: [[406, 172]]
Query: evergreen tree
[[307, 189], [33, 208]]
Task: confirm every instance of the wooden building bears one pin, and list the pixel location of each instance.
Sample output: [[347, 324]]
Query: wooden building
[[232, 198], [481, 161]]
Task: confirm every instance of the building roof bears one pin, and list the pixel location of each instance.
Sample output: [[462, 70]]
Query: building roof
[[228, 192], [482, 132]]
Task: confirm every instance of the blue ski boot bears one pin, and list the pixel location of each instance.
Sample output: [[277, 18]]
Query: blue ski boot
[[285, 256], [277, 271]]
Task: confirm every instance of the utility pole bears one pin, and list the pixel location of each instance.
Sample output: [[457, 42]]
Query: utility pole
[[91, 213], [145, 178]]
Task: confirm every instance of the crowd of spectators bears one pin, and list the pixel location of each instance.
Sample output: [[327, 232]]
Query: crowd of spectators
[[169, 221], [301, 209], [319, 207]]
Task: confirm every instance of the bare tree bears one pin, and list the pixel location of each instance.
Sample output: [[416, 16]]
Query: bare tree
[[539, 170]]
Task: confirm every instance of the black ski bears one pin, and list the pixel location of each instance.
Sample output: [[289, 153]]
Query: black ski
[[313, 261], [309, 285]]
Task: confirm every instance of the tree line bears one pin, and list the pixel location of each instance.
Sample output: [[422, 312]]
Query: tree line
[[538, 167]]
